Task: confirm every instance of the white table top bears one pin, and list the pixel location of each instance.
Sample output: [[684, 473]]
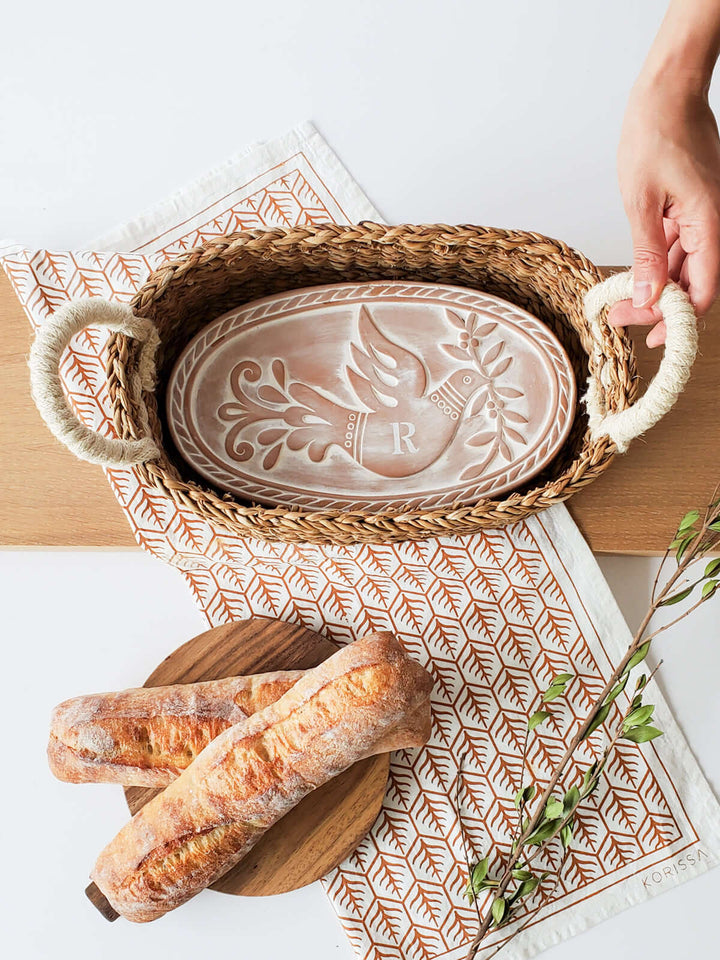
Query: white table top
[[460, 112]]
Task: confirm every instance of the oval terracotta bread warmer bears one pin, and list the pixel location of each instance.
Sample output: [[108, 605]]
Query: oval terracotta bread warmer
[[539, 275], [371, 396]]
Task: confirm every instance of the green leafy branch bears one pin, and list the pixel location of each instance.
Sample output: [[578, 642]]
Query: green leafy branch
[[544, 816]]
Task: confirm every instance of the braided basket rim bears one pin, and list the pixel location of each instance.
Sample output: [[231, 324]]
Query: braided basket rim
[[566, 273]]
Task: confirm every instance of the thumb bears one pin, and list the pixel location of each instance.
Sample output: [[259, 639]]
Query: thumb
[[650, 258]]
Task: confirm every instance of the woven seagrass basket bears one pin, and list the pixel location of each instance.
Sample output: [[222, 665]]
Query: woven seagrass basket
[[542, 275]]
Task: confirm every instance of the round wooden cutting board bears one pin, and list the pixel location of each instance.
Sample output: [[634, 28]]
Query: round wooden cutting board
[[324, 828]]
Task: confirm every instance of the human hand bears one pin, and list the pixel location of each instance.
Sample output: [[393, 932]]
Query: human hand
[[669, 173]]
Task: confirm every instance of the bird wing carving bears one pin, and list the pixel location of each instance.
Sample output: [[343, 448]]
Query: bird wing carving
[[385, 371]]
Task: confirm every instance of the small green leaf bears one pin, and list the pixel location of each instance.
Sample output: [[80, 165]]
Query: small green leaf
[[638, 656], [677, 597], [540, 716], [638, 717], [479, 880], [691, 517], [599, 718], [553, 808], [712, 568], [715, 525], [498, 910], [523, 795], [544, 832], [520, 874], [680, 552], [557, 687], [572, 799], [590, 773], [589, 781], [526, 888], [617, 690], [566, 835], [709, 589], [642, 734], [641, 681], [588, 788], [479, 871]]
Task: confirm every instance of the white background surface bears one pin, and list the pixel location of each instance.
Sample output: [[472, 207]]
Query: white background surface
[[504, 114]]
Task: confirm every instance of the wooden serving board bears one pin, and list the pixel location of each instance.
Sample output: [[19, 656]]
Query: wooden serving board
[[324, 828], [51, 499]]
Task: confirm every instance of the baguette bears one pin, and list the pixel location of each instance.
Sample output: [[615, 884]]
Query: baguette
[[147, 737], [365, 696]]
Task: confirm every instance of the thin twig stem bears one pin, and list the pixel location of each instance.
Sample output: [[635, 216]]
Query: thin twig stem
[[463, 838], [695, 549], [666, 626], [521, 806], [657, 575], [533, 912]]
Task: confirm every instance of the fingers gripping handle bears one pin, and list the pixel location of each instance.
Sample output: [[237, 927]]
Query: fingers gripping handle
[[45, 354], [669, 381]]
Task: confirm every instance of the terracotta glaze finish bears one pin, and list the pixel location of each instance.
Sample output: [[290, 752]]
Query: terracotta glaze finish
[[371, 395]]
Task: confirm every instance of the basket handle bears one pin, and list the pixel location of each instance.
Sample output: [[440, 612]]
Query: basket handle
[[681, 344], [52, 339]]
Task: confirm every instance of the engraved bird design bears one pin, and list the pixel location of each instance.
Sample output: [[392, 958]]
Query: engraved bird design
[[400, 425]]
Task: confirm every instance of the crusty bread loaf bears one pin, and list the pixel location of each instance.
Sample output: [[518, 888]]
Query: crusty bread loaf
[[365, 696], [146, 737]]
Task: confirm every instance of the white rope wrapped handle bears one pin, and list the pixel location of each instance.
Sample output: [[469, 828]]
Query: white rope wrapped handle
[[668, 383], [45, 354]]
